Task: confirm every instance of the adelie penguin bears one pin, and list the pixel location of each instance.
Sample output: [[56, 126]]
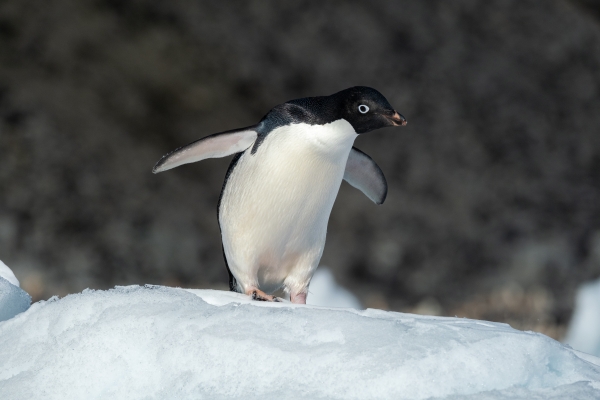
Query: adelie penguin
[[282, 183]]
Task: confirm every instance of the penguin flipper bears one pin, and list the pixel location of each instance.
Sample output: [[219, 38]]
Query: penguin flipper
[[213, 146], [364, 174]]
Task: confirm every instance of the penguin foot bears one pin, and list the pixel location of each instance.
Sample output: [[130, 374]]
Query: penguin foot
[[298, 298], [259, 295]]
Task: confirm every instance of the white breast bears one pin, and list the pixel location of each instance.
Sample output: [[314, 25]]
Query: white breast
[[277, 202]]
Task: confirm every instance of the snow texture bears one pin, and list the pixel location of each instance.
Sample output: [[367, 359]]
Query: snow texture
[[13, 300], [7, 274], [156, 342], [584, 329]]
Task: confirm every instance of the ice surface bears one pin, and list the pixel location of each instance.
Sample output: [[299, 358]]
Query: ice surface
[[584, 329], [13, 300], [7, 274], [156, 342]]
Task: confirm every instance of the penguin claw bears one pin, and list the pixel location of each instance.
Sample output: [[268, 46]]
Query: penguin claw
[[256, 297], [259, 295]]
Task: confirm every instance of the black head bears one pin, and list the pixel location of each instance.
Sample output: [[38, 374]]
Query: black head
[[363, 107], [366, 109]]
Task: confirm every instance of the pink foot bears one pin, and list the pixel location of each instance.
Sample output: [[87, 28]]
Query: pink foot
[[298, 298], [259, 295]]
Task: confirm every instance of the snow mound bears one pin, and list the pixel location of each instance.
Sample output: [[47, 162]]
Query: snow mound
[[584, 329], [156, 342], [13, 300], [7, 274]]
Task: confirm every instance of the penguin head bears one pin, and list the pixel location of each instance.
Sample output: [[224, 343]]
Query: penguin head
[[366, 109]]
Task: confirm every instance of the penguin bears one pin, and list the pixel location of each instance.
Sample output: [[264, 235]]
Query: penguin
[[282, 183]]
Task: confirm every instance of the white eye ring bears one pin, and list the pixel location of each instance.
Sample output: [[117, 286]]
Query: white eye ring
[[363, 109]]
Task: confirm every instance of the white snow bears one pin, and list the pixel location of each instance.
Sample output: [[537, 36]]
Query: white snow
[[157, 342], [13, 300], [7, 274], [584, 329]]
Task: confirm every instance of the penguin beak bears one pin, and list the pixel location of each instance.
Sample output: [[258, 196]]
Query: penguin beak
[[397, 119]]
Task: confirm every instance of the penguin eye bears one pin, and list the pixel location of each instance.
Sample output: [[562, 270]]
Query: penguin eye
[[363, 109]]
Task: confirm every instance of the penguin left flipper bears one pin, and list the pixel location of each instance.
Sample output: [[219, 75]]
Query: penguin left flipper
[[364, 174], [213, 146]]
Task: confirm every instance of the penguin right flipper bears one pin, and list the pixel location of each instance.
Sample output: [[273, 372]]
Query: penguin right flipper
[[214, 146], [364, 174]]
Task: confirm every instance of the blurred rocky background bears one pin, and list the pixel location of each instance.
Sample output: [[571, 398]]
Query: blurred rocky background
[[494, 203]]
